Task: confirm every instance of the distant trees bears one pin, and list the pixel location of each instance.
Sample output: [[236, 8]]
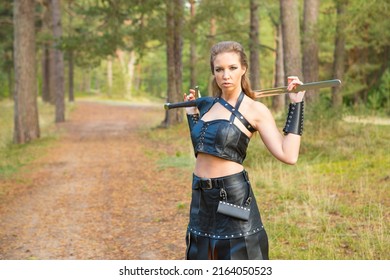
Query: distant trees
[[161, 47]]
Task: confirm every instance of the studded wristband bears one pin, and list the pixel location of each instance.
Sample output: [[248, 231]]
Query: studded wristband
[[294, 122], [192, 120]]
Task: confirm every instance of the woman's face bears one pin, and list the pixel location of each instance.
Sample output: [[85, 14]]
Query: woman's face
[[228, 71]]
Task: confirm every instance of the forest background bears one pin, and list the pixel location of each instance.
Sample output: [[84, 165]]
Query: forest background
[[55, 52]]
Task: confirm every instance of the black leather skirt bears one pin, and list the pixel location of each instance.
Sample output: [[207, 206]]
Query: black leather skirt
[[213, 235]]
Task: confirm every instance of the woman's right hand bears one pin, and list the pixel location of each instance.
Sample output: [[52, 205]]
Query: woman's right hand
[[190, 97]]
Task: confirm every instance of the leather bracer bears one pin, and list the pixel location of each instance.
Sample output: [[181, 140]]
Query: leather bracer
[[294, 122]]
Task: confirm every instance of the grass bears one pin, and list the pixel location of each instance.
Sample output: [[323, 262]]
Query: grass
[[14, 156], [333, 204]]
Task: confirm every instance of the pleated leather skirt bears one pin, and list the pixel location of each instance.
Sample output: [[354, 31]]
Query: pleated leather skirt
[[212, 235]]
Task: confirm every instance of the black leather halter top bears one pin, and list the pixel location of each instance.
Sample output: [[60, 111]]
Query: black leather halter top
[[221, 137]]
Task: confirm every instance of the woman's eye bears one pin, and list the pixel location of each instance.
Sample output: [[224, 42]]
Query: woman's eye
[[218, 70], [233, 68]]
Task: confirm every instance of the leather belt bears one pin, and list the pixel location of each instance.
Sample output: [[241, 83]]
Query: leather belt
[[216, 183]]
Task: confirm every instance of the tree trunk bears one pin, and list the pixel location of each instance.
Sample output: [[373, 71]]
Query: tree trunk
[[71, 76], [59, 64], [50, 63], [70, 61], [46, 74], [278, 102], [291, 38], [193, 76], [339, 53], [52, 74], [213, 32], [310, 46], [174, 17], [254, 66], [26, 122], [47, 86], [109, 75], [178, 47]]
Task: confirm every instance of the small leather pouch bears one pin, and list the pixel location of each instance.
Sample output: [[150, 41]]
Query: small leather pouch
[[233, 210]]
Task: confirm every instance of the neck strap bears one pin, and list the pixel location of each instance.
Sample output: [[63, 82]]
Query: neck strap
[[235, 112]]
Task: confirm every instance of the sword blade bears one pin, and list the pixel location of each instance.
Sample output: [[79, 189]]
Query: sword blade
[[307, 86]]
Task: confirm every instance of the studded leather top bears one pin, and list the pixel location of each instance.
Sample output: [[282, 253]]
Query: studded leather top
[[220, 137]]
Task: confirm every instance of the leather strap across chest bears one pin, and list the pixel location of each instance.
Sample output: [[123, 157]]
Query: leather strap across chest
[[235, 112]]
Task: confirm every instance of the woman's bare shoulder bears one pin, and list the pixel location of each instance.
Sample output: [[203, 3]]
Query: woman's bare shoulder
[[258, 108]]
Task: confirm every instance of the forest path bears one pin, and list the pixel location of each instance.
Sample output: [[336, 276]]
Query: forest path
[[97, 194]]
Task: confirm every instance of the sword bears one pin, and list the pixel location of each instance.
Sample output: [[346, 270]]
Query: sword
[[266, 92], [307, 86]]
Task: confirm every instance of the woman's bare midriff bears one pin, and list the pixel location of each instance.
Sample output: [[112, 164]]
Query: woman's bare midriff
[[208, 166]]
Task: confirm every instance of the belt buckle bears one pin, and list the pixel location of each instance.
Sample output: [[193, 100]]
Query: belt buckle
[[207, 181]]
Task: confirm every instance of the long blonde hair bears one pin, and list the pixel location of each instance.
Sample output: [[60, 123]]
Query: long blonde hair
[[231, 46]]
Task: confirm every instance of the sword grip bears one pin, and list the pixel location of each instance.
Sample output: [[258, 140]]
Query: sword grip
[[184, 104]]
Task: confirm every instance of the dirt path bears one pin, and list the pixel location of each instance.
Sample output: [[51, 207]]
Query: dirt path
[[96, 195]]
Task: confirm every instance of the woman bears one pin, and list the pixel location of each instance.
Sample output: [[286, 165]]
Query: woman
[[225, 222]]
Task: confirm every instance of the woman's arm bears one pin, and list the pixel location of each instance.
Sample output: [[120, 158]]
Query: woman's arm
[[284, 147]]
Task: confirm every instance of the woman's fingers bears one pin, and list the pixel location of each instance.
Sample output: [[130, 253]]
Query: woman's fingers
[[190, 96], [293, 82]]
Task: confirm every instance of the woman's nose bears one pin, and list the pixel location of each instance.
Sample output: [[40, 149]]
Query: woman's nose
[[225, 74]]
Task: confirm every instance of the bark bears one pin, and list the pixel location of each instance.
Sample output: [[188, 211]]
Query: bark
[[291, 38], [70, 62], [278, 102], [71, 76], [178, 47], [174, 43], [339, 54], [59, 63], [52, 73], [47, 75], [193, 76], [254, 65], [310, 46], [109, 75], [26, 123], [213, 32]]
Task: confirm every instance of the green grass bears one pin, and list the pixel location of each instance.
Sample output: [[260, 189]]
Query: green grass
[[14, 156], [333, 204]]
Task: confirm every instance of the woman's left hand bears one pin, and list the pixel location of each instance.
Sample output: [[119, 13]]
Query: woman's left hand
[[293, 82]]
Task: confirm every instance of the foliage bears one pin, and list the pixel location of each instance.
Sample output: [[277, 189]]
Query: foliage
[[6, 46], [368, 42], [380, 96]]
